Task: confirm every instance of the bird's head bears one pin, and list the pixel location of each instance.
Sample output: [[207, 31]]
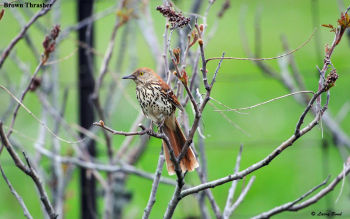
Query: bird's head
[[142, 76]]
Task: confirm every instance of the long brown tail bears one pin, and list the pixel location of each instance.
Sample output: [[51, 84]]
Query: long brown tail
[[177, 140]]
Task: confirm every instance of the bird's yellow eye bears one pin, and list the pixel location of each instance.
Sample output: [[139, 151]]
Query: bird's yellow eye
[[141, 73]]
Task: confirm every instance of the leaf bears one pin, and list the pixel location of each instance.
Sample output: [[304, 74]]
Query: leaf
[[329, 26], [344, 21]]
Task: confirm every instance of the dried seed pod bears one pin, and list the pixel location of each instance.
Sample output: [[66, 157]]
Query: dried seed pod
[[331, 79], [35, 84], [176, 19], [49, 42]]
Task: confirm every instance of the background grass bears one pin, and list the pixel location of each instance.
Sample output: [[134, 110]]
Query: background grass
[[239, 84]]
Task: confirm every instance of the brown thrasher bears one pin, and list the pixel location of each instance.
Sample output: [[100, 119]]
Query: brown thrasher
[[159, 103]]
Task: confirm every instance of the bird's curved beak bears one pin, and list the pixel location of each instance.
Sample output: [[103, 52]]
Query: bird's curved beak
[[129, 77]]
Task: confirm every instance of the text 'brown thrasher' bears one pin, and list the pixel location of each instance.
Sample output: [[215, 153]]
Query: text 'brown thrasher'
[[159, 103]]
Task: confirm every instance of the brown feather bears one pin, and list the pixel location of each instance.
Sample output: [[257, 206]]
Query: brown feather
[[166, 90], [177, 140], [158, 102]]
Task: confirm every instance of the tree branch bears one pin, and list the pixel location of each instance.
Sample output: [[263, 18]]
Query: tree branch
[[30, 172], [152, 198], [293, 206], [257, 165], [17, 196], [21, 34]]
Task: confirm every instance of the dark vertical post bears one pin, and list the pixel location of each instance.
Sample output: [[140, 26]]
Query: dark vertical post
[[86, 113]]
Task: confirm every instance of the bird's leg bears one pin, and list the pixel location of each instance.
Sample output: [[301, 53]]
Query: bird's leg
[[161, 126], [151, 126]]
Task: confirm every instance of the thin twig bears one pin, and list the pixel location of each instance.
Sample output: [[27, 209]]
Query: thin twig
[[148, 32], [37, 119], [114, 132], [201, 107], [27, 38], [227, 213], [177, 193], [21, 34], [202, 171], [26, 90], [122, 167], [152, 198], [30, 172], [149, 132], [270, 58], [87, 21], [242, 195], [98, 83], [17, 196], [265, 102], [341, 138], [293, 206], [257, 165]]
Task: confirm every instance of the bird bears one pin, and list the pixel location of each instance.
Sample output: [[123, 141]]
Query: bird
[[158, 103]]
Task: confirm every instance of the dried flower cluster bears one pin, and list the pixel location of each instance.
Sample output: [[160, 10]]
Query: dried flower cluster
[[49, 42], [176, 19], [331, 78]]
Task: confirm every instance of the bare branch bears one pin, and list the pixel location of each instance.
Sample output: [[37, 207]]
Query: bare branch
[[152, 198], [87, 21], [270, 58], [147, 28], [308, 107], [37, 119], [227, 213], [123, 167], [202, 171], [265, 102], [114, 132], [341, 138], [17, 196], [202, 106], [242, 195], [257, 165], [293, 206], [150, 132], [26, 90], [286, 206], [103, 70], [21, 34], [30, 172]]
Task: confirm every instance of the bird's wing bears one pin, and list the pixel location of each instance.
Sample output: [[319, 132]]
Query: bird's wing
[[170, 95]]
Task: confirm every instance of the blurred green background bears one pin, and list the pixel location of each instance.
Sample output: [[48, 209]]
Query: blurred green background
[[239, 84]]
